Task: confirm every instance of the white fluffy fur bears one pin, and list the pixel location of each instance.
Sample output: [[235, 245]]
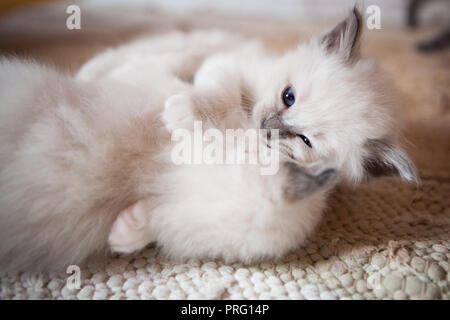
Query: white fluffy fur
[[76, 153], [73, 154]]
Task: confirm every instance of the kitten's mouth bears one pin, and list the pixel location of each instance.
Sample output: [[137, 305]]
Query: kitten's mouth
[[282, 148], [274, 123]]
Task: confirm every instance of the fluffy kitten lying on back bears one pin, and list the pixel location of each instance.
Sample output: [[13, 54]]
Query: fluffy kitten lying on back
[[75, 157], [330, 107]]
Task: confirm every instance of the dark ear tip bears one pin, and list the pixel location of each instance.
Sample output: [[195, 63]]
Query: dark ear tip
[[356, 13], [387, 159], [344, 37], [358, 8]]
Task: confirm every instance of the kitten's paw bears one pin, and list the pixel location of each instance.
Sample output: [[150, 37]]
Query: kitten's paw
[[178, 112], [130, 231], [301, 183]]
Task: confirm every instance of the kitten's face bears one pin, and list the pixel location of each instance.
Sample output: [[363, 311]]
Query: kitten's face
[[330, 107]]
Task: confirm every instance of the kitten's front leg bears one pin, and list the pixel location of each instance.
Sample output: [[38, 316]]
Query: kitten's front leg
[[178, 112], [130, 232], [216, 94], [211, 106]]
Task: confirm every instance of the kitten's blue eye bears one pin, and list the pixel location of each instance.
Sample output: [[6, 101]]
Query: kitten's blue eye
[[288, 97], [305, 140]]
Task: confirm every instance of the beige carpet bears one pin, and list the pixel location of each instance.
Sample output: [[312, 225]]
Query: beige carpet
[[385, 240]]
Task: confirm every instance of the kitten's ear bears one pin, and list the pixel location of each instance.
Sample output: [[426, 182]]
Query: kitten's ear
[[344, 38], [386, 159]]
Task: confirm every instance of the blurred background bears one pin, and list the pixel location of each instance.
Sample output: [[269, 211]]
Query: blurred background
[[412, 44], [39, 26]]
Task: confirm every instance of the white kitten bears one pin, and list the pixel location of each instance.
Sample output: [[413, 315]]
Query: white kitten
[[74, 153], [329, 106]]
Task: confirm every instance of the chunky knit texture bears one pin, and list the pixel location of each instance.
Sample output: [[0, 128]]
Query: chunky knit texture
[[386, 239]]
